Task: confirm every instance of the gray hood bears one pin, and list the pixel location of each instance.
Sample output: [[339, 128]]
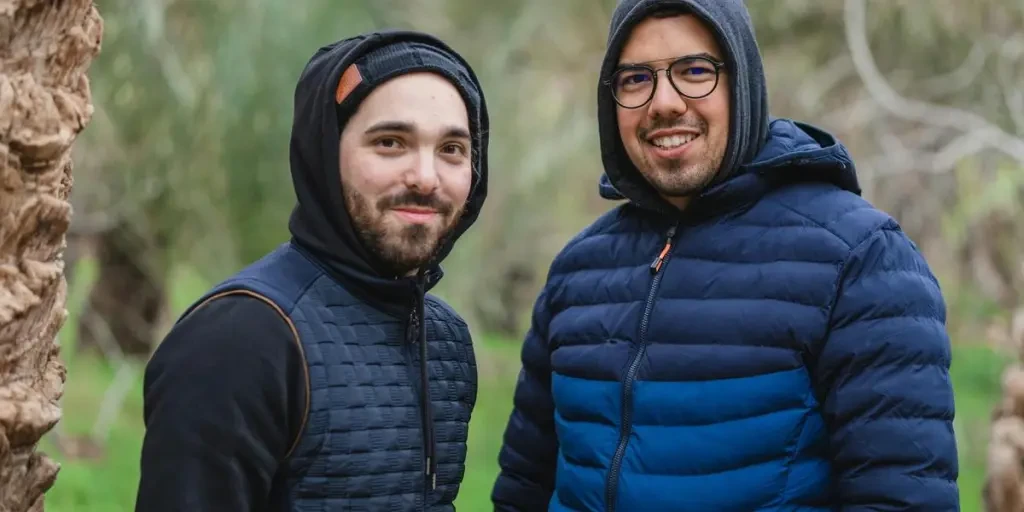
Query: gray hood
[[748, 126]]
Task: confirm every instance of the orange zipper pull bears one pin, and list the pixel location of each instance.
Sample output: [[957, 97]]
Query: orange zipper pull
[[657, 263]]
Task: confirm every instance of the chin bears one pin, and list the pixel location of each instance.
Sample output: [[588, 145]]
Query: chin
[[680, 183]]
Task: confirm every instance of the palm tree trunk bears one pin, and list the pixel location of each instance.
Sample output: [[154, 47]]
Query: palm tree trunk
[[1004, 476], [44, 104]]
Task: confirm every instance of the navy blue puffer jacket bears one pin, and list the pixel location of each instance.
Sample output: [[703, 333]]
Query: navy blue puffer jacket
[[781, 346]]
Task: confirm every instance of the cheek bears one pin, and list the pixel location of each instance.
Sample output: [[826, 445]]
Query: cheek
[[628, 121], [456, 181], [716, 112], [370, 174]]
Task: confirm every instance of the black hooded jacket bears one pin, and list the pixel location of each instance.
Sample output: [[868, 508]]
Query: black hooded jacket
[[228, 393]]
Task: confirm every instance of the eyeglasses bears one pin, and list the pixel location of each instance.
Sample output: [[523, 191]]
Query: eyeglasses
[[693, 77]]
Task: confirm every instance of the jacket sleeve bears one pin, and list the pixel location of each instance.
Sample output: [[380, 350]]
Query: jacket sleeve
[[528, 454], [883, 373], [223, 398]]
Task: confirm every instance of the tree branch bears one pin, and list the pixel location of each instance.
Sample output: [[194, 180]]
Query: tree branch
[[1013, 95], [153, 17], [959, 120], [962, 77]]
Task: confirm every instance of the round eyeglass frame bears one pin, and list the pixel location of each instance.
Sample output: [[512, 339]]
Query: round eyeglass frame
[[716, 64]]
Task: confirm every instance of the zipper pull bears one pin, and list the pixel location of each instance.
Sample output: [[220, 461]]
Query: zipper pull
[[412, 329], [431, 474], [656, 264]]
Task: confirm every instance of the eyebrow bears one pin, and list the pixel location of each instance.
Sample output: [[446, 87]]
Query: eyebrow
[[407, 127], [705, 55]]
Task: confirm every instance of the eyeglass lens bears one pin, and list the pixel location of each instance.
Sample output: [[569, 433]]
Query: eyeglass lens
[[693, 77]]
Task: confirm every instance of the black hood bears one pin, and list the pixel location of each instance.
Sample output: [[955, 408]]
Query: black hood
[[320, 224], [748, 124]]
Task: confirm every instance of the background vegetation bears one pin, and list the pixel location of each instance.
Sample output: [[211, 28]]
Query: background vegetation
[[182, 177]]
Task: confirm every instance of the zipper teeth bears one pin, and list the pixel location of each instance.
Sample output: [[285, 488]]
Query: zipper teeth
[[419, 335], [634, 365]]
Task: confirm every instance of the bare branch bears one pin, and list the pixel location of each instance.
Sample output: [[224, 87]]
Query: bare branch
[[905, 108], [852, 116], [820, 83], [153, 15], [1013, 94], [113, 401], [963, 76]]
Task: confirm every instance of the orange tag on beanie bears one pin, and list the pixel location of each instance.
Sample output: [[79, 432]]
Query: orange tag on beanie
[[349, 80]]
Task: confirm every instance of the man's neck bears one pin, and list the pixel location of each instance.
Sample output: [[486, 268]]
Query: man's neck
[[680, 202]]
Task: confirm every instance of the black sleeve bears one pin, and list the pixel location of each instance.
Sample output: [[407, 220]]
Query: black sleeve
[[224, 398]]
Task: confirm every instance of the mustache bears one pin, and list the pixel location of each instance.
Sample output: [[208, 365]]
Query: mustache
[[410, 198], [662, 123]]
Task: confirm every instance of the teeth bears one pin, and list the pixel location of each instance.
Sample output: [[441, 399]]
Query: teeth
[[673, 141]]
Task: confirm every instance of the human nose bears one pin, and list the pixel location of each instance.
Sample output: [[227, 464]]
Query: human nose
[[423, 175], [666, 100]]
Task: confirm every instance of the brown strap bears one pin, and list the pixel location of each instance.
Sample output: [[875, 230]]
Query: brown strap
[[298, 344]]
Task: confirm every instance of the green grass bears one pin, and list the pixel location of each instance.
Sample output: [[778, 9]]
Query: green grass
[[109, 484]]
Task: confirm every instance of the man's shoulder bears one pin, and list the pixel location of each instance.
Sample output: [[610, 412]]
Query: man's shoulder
[[846, 216], [441, 310], [230, 323], [280, 278], [620, 220]]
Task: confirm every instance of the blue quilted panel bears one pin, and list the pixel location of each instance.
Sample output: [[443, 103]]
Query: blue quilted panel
[[362, 448], [794, 357]]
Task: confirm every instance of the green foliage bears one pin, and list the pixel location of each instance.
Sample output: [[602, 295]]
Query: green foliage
[[1000, 192], [976, 373], [261, 52], [193, 98]]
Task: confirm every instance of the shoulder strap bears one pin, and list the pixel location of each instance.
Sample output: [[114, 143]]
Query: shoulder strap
[[298, 344]]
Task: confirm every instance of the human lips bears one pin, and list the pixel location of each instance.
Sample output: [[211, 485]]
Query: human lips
[[671, 143], [416, 214]]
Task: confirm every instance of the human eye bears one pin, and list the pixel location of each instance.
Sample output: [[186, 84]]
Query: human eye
[[454, 148], [630, 79], [695, 71], [388, 143]]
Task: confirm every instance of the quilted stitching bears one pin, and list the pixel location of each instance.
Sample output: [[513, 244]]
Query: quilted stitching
[[362, 448]]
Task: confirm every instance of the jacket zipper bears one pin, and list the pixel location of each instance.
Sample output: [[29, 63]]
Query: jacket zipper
[[418, 335], [656, 267]]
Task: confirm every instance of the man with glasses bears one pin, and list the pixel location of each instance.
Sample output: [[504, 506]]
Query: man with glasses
[[744, 332]]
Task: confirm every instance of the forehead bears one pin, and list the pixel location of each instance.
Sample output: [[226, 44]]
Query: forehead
[[426, 100], [655, 39]]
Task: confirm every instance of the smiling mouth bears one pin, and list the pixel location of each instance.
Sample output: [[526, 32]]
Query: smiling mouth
[[672, 141]]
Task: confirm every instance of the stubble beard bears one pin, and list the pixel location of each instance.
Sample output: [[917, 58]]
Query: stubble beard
[[680, 177], [676, 178], [401, 248]]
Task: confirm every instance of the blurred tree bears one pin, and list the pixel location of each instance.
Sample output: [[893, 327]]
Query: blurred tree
[[196, 98], [1004, 480], [190, 147], [44, 104]]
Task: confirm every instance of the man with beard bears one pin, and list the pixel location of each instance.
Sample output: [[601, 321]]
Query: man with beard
[[324, 376], [745, 332]]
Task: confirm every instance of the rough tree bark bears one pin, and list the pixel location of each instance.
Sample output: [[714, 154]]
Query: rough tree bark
[[46, 47], [1004, 480]]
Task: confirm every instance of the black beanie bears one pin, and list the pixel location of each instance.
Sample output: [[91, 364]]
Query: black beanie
[[386, 62]]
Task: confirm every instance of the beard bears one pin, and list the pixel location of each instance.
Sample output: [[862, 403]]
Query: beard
[[680, 177], [402, 247]]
